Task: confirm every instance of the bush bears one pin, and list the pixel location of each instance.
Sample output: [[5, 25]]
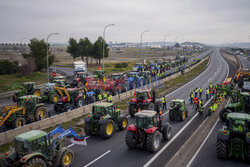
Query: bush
[[121, 65], [8, 67], [28, 67]]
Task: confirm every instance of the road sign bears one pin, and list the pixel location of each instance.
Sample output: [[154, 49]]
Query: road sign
[[53, 74]]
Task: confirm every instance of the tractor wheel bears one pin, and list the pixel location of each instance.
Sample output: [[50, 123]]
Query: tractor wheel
[[79, 102], [36, 162], [153, 142], [67, 107], [18, 122], [132, 110], [130, 139], [221, 149], [187, 113], [107, 129], [150, 106], [182, 115], [54, 98], [56, 108], [87, 128], [167, 132], [223, 114], [93, 99], [37, 93], [41, 113], [123, 123], [67, 158], [171, 116], [80, 85]]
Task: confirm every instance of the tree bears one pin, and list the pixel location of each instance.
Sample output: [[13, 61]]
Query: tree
[[98, 49], [85, 48], [72, 48], [38, 50]]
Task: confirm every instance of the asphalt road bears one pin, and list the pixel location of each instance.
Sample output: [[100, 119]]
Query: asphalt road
[[207, 152], [114, 152], [245, 62]]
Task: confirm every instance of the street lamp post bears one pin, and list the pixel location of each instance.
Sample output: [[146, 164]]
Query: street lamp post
[[142, 35], [103, 49], [48, 53]]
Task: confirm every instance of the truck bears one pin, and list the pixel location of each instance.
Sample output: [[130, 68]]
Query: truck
[[79, 66]]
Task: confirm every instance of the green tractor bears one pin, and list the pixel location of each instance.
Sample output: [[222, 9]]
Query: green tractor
[[51, 93], [148, 131], [104, 120], [178, 110], [28, 109], [98, 74], [233, 140], [28, 88], [38, 148], [240, 101]]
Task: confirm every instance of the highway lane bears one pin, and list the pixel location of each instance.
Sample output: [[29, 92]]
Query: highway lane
[[245, 62], [207, 151], [115, 151]]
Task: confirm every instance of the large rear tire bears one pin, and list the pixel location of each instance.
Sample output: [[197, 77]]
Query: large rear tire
[[167, 132], [41, 113], [67, 107], [182, 115], [153, 142], [87, 129], [223, 114], [93, 99], [36, 162], [132, 110], [130, 139], [67, 158], [123, 123], [79, 102], [248, 154], [54, 98], [107, 129], [221, 149], [18, 122], [171, 116]]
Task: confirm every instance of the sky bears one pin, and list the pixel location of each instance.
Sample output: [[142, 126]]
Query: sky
[[206, 21]]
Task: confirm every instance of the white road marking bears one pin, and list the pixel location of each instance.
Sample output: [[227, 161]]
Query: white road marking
[[195, 155], [184, 127], [97, 158]]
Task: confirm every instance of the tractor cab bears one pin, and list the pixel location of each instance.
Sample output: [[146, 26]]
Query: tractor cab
[[103, 109], [28, 101], [133, 75], [49, 87], [145, 119], [177, 103], [29, 86], [144, 94], [116, 76], [145, 74], [98, 74], [82, 75], [238, 122]]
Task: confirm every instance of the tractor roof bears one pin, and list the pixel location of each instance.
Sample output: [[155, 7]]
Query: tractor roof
[[146, 113], [177, 100], [245, 93], [29, 96], [238, 116], [103, 104], [31, 135], [142, 90]]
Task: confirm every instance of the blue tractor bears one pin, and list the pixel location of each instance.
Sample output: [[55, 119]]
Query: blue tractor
[[132, 79]]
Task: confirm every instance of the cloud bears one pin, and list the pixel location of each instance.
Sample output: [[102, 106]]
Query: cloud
[[210, 21]]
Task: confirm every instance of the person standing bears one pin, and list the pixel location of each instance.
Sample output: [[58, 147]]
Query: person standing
[[207, 94], [164, 103], [196, 90], [200, 92], [191, 97]]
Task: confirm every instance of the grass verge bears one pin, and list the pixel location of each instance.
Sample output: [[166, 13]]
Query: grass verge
[[8, 82]]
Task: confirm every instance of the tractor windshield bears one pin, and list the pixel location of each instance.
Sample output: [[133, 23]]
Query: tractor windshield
[[143, 122], [141, 95], [22, 146], [98, 111]]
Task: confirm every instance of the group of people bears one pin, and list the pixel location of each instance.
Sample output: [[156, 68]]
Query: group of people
[[100, 96]]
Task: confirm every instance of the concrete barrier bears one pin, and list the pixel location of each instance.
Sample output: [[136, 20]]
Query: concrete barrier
[[8, 136]]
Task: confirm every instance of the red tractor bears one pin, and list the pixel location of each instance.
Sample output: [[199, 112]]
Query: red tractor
[[80, 79], [144, 99], [148, 131]]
